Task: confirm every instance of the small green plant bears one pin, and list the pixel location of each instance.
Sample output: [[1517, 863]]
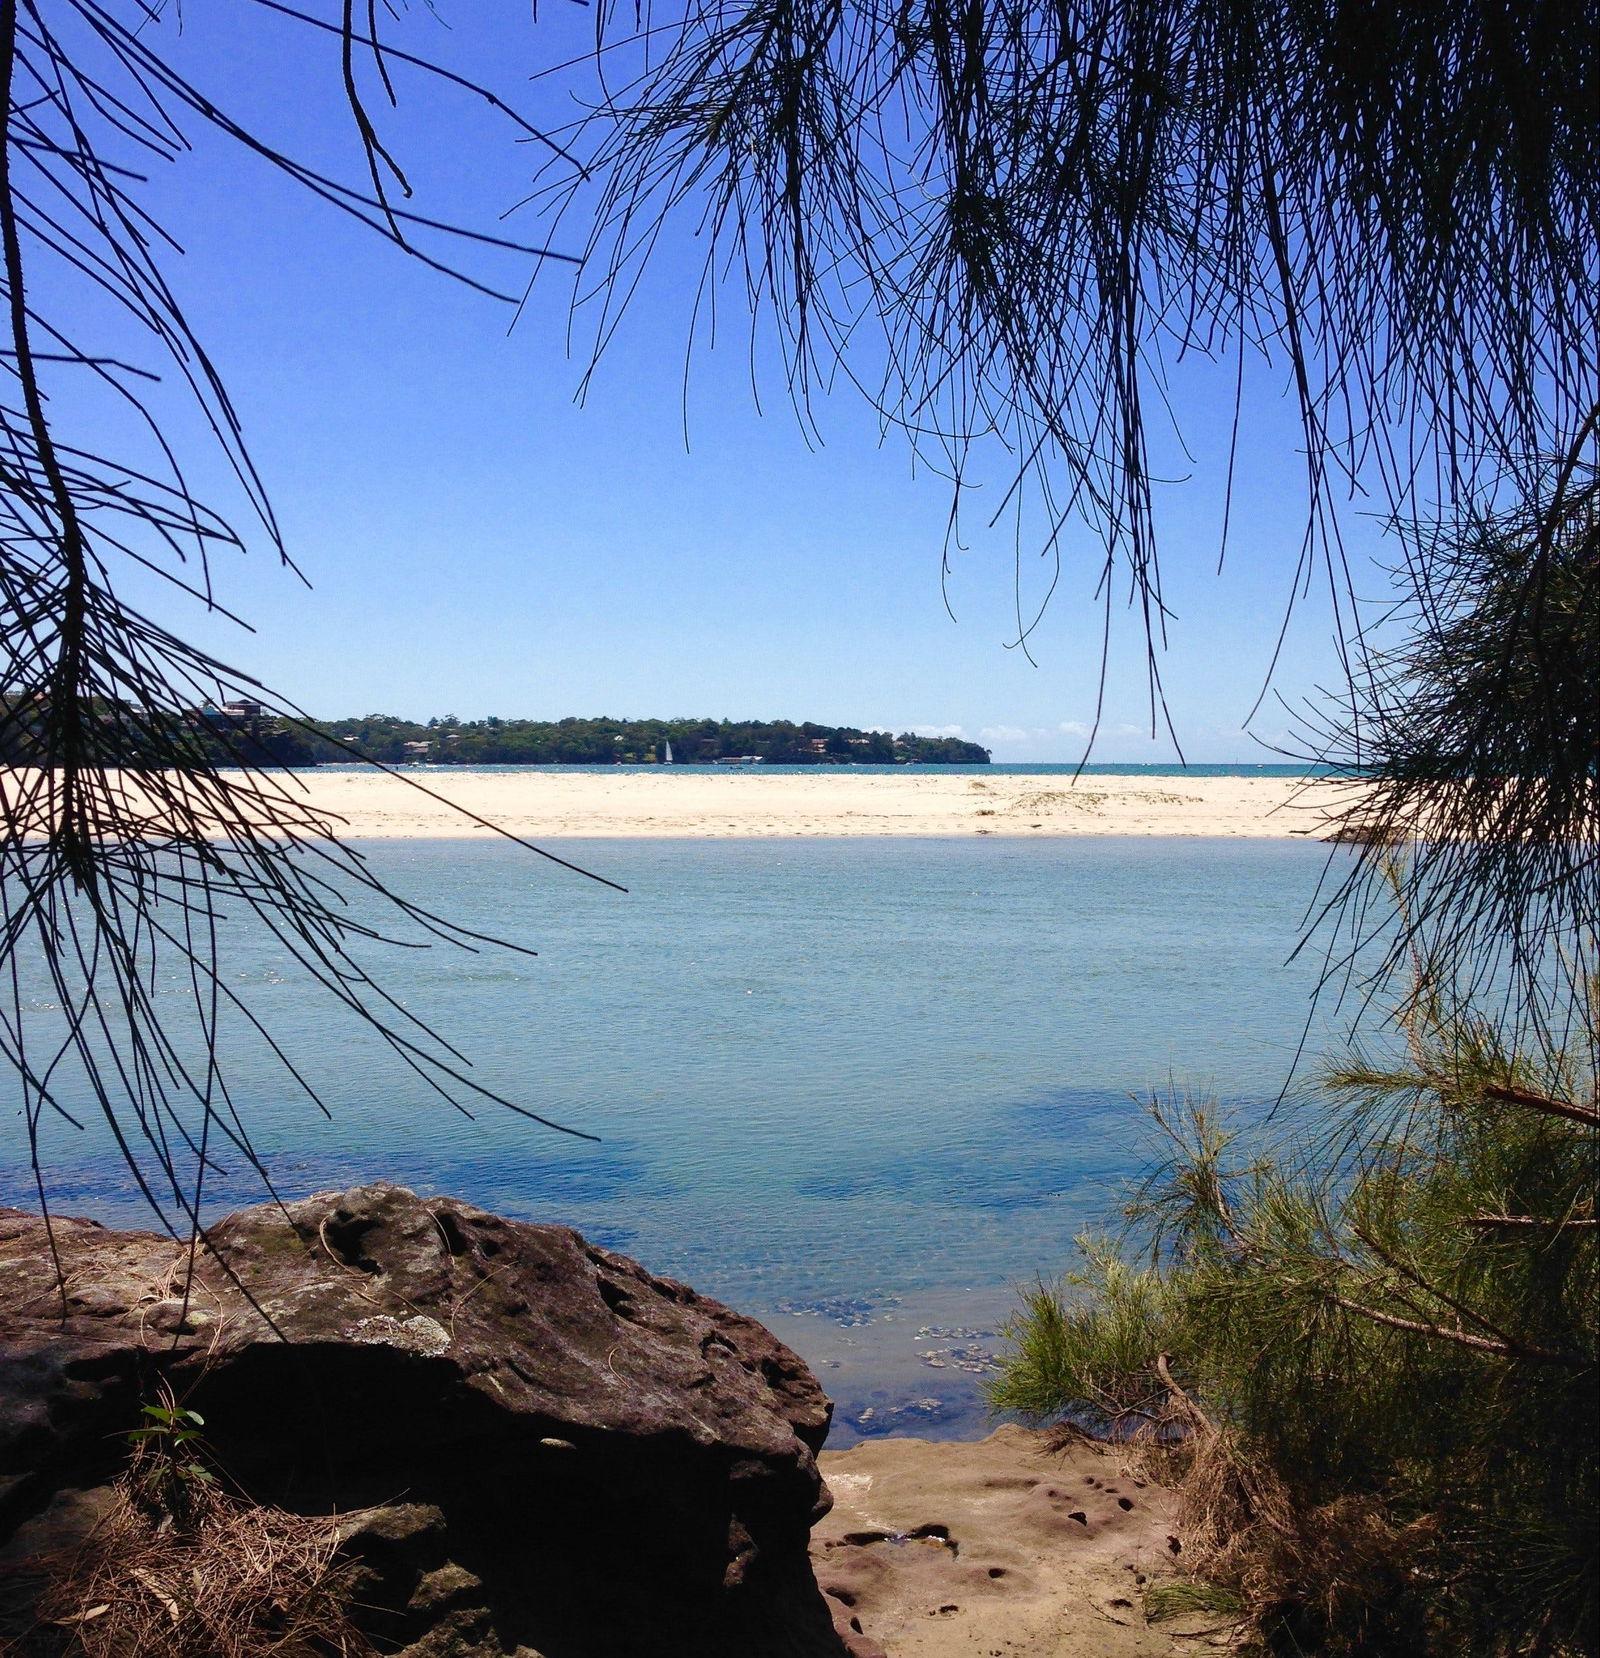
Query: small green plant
[[1182, 1598], [168, 1472]]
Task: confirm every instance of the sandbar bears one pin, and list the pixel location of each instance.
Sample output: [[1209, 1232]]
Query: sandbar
[[553, 805], [369, 804]]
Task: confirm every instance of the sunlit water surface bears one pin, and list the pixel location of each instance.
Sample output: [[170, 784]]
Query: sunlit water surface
[[860, 1088]]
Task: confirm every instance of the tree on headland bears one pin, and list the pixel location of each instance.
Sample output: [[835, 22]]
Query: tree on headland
[[601, 741]]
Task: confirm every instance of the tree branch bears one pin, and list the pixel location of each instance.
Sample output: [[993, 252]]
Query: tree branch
[[1481, 1344], [1409, 1272], [1584, 1114], [1488, 1221], [1181, 1398]]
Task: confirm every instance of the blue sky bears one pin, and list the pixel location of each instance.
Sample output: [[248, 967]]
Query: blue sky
[[478, 543]]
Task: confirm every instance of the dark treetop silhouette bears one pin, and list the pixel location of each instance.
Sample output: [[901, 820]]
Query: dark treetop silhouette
[[1021, 216]]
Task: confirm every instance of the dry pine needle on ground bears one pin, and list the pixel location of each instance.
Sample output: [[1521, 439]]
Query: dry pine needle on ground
[[236, 1581]]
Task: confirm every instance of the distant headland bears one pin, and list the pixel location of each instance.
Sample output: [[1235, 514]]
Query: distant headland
[[449, 741]]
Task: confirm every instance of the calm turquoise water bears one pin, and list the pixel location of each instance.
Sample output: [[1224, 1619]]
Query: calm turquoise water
[[841, 1072]]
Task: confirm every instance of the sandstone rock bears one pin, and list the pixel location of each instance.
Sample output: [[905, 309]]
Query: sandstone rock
[[564, 1453], [1004, 1545]]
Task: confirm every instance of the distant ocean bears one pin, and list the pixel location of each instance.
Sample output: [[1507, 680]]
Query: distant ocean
[[860, 1088]]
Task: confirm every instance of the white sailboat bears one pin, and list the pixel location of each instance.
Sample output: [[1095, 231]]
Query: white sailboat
[[668, 760]]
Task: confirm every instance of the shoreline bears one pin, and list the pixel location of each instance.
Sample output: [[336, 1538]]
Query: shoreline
[[901, 1365], [742, 803]]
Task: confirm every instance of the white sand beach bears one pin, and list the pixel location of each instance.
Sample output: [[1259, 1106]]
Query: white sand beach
[[754, 802], [555, 805], [552, 804]]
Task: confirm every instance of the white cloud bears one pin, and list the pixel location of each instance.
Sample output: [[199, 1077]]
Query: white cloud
[[1003, 734], [1075, 728], [939, 731]]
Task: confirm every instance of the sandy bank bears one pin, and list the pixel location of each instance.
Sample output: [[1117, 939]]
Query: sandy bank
[[556, 805], [939, 1550]]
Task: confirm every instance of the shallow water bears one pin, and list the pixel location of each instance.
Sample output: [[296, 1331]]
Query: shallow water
[[857, 1087]]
